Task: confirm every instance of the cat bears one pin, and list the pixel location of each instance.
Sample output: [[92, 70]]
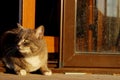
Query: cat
[[25, 50]]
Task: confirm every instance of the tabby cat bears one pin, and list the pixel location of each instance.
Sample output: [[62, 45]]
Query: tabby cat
[[25, 50]]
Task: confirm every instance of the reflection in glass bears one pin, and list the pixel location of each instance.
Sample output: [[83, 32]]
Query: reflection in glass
[[98, 26]]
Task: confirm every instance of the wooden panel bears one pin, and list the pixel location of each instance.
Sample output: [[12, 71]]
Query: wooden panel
[[90, 33], [52, 44], [28, 15], [100, 31]]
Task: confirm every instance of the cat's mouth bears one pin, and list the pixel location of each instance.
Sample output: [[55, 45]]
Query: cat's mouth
[[24, 50]]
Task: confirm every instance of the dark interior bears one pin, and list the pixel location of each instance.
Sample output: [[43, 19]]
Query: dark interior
[[9, 14], [48, 14]]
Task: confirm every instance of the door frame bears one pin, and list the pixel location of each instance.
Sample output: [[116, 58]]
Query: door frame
[[68, 58], [28, 13]]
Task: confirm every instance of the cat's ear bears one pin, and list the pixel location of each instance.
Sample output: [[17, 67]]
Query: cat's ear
[[39, 32], [20, 26]]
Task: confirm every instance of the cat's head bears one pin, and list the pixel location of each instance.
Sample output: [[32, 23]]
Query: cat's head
[[30, 41]]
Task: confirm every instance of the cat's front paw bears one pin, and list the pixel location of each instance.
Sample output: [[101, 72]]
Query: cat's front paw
[[47, 73], [22, 72]]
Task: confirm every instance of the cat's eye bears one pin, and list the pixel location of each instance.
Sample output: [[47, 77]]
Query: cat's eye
[[26, 42]]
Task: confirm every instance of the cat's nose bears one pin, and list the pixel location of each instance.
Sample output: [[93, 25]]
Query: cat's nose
[[18, 47]]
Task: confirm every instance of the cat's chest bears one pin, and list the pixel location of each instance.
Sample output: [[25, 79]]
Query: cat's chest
[[33, 61]]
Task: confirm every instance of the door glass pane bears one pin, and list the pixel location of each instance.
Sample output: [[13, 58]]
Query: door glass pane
[[97, 26]]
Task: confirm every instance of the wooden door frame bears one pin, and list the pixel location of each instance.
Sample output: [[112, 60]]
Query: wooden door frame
[[66, 40], [28, 13]]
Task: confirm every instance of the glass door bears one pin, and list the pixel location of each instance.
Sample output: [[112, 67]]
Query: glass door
[[97, 26], [91, 33]]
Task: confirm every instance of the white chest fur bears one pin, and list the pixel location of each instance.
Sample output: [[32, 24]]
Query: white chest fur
[[34, 62]]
